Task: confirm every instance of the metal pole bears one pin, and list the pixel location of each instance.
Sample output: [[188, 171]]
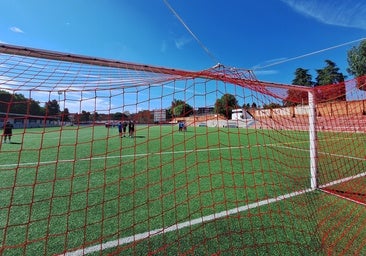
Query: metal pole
[[313, 141]]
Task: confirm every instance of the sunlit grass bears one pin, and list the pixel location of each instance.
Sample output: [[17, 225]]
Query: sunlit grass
[[62, 189]]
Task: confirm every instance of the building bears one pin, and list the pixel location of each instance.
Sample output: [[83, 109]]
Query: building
[[159, 115]]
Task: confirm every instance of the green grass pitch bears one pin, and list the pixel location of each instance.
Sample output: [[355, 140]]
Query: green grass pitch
[[79, 187]]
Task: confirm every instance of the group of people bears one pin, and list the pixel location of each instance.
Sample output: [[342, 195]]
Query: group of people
[[122, 128]]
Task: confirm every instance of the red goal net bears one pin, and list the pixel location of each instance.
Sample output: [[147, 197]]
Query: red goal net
[[108, 157]]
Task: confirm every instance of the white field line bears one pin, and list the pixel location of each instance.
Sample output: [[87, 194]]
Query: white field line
[[124, 156], [279, 145], [175, 227], [142, 154], [323, 153], [154, 153], [175, 152]]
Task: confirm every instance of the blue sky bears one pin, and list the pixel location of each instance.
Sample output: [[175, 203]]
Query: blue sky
[[264, 35], [238, 33]]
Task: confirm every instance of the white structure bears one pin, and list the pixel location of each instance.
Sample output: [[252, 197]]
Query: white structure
[[159, 115], [240, 114], [240, 118]]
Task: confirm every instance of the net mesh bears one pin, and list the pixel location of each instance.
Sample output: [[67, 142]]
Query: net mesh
[[213, 166]]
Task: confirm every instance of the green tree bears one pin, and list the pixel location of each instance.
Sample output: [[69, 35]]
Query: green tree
[[18, 104], [246, 106], [95, 116], [120, 116], [52, 108], [84, 116], [65, 115], [302, 77], [35, 108], [117, 116], [225, 105], [180, 108], [5, 98], [356, 58], [295, 97], [330, 75]]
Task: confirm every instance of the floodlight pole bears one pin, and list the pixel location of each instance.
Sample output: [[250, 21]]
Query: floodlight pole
[[313, 141]]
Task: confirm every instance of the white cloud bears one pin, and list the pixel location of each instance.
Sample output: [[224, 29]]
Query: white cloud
[[7, 82], [345, 13], [181, 42], [16, 30], [163, 46]]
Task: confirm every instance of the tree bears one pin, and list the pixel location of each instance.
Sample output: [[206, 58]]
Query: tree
[[18, 104], [295, 97], [84, 116], [246, 106], [225, 105], [65, 115], [35, 108], [302, 77], [52, 108], [120, 116], [145, 117], [330, 75], [95, 116], [356, 58], [180, 108]]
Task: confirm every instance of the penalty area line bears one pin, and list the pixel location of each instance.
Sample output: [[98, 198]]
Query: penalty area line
[[178, 226]]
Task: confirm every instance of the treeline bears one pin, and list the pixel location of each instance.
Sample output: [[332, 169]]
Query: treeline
[[330, 75], [18, 104]]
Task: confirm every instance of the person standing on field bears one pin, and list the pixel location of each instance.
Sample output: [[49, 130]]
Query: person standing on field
[[120, 129], [8, 131], [124, 127], [131, 128]]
